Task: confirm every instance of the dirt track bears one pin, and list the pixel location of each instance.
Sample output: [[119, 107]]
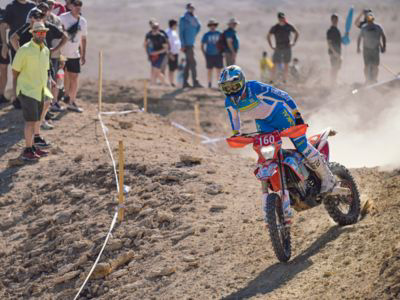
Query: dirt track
[[193, 228]]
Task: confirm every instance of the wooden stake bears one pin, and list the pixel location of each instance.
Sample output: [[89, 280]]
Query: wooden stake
[[197, 117], [145, 96], [121, 201], [100, 80]]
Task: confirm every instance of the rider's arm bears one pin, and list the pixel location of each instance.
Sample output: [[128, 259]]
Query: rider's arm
[[234, 117]]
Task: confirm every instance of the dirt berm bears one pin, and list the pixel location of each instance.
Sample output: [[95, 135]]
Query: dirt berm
[[193, 226]]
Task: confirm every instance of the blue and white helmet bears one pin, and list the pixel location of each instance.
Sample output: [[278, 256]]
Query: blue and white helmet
[[232, 82]]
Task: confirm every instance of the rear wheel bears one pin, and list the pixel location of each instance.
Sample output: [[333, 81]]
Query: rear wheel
[[279, 234], [344, 210]]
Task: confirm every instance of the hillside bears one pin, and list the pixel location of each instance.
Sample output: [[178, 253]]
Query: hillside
[[193, 227]]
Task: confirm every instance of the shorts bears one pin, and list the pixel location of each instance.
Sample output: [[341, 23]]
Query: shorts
[[214, 61], [55, 63], [282, 55], [73, 65], [31, 108], [173, 63], [5, 61], [336, 61], [371, 56], [156, 61]]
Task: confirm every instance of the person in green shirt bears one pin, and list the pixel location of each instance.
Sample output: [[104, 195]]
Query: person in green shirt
[[30, 75]]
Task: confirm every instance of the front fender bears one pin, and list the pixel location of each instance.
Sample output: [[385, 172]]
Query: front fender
[[269, 172]]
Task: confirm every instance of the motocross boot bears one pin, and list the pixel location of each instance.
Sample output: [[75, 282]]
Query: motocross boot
[[317, 163]]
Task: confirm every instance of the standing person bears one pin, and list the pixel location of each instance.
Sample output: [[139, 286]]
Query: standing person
[[156, 46], [4, 62], [30, 75], [189, 27], [283, 46], [209, 48], [266, 66], [232, 42], [74, 50], [374, 40], [175, 46], [14, 17], [334, 48]]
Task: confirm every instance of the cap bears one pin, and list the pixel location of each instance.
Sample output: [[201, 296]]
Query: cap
[[36, 13], [233, 21], [76, 2], [155, 25], [189, 5], [334, 16], [281, 15], [212, 22], [38, 26]]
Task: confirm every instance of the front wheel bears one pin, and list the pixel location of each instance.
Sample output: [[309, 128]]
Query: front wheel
[[344, 210], [279, 233]]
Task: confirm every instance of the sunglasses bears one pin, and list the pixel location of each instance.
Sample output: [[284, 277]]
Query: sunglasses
[[40, 33]]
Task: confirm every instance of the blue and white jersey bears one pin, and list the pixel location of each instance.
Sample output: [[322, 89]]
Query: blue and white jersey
[[259, 102]]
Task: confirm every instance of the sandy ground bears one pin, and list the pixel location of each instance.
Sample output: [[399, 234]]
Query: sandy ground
[[193, 227]]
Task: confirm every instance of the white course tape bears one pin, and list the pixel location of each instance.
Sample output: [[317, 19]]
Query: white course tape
[[108, 113], [105, 130], [355, 91], [204, 137], [214, 140]]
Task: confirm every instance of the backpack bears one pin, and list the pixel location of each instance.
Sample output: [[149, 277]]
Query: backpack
[[221, 43]]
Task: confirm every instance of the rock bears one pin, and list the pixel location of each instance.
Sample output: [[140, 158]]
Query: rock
[[66, 277], [122, 259], [125, 125], [56, 150], [177, 238], [152, 186], [78, 158], [115, 245], [134, 286], [38, 228], [189, 258], [77, 193], [146, 212], [133, 208], [153, 171], [167, 271], [118, 274], [101, 270], [217, 207], [62, 217], [190, 160], [164, 217], [27, 195], [16, 162], [217, 248], [213, 189]]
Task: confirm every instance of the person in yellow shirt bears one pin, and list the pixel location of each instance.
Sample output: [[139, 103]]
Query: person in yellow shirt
[[266, 66], [30, 75]]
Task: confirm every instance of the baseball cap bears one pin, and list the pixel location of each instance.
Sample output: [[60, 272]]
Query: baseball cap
[[281, 15], [212, 22], [233, 21], [36, 13], [189, 5], [370, 16]]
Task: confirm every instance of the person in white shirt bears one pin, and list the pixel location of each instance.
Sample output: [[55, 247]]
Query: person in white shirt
[[74, 50], [175, 46]]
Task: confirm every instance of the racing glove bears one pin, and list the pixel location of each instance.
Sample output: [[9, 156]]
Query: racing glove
[[298, 119], [235, 133]]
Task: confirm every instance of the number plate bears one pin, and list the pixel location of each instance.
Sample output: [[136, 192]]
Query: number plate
[[267, 139]]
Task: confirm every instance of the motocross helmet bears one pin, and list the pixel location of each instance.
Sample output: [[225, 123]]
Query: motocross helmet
[[232, 83]]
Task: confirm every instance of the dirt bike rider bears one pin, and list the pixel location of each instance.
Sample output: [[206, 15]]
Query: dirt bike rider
[[272, 109]]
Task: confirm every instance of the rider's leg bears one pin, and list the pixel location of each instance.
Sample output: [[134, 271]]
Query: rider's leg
[[316, 162]]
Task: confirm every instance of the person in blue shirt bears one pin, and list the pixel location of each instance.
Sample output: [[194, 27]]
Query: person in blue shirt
[[232, 42], [209, 48], [189, 27], [272, 109]]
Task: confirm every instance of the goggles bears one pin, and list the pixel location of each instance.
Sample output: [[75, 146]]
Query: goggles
[[40, 33], [230, 87]]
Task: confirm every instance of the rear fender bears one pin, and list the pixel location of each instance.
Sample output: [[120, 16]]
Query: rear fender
[[320, 141], [269, 172]]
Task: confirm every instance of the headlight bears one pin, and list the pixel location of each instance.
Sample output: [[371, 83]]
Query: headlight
[[268, 152]]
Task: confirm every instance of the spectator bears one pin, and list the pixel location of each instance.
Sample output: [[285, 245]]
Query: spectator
[[334, 48], [54, 37], [156, 46], [4, 62], [364, 13], [189, 27], [74, 50], [266, 66], [175, 46], [374, 40], [232, 42], [283, 46], [209, 48], [30, 75]]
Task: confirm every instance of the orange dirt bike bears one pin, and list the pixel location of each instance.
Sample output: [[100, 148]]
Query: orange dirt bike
[[285, 173]]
